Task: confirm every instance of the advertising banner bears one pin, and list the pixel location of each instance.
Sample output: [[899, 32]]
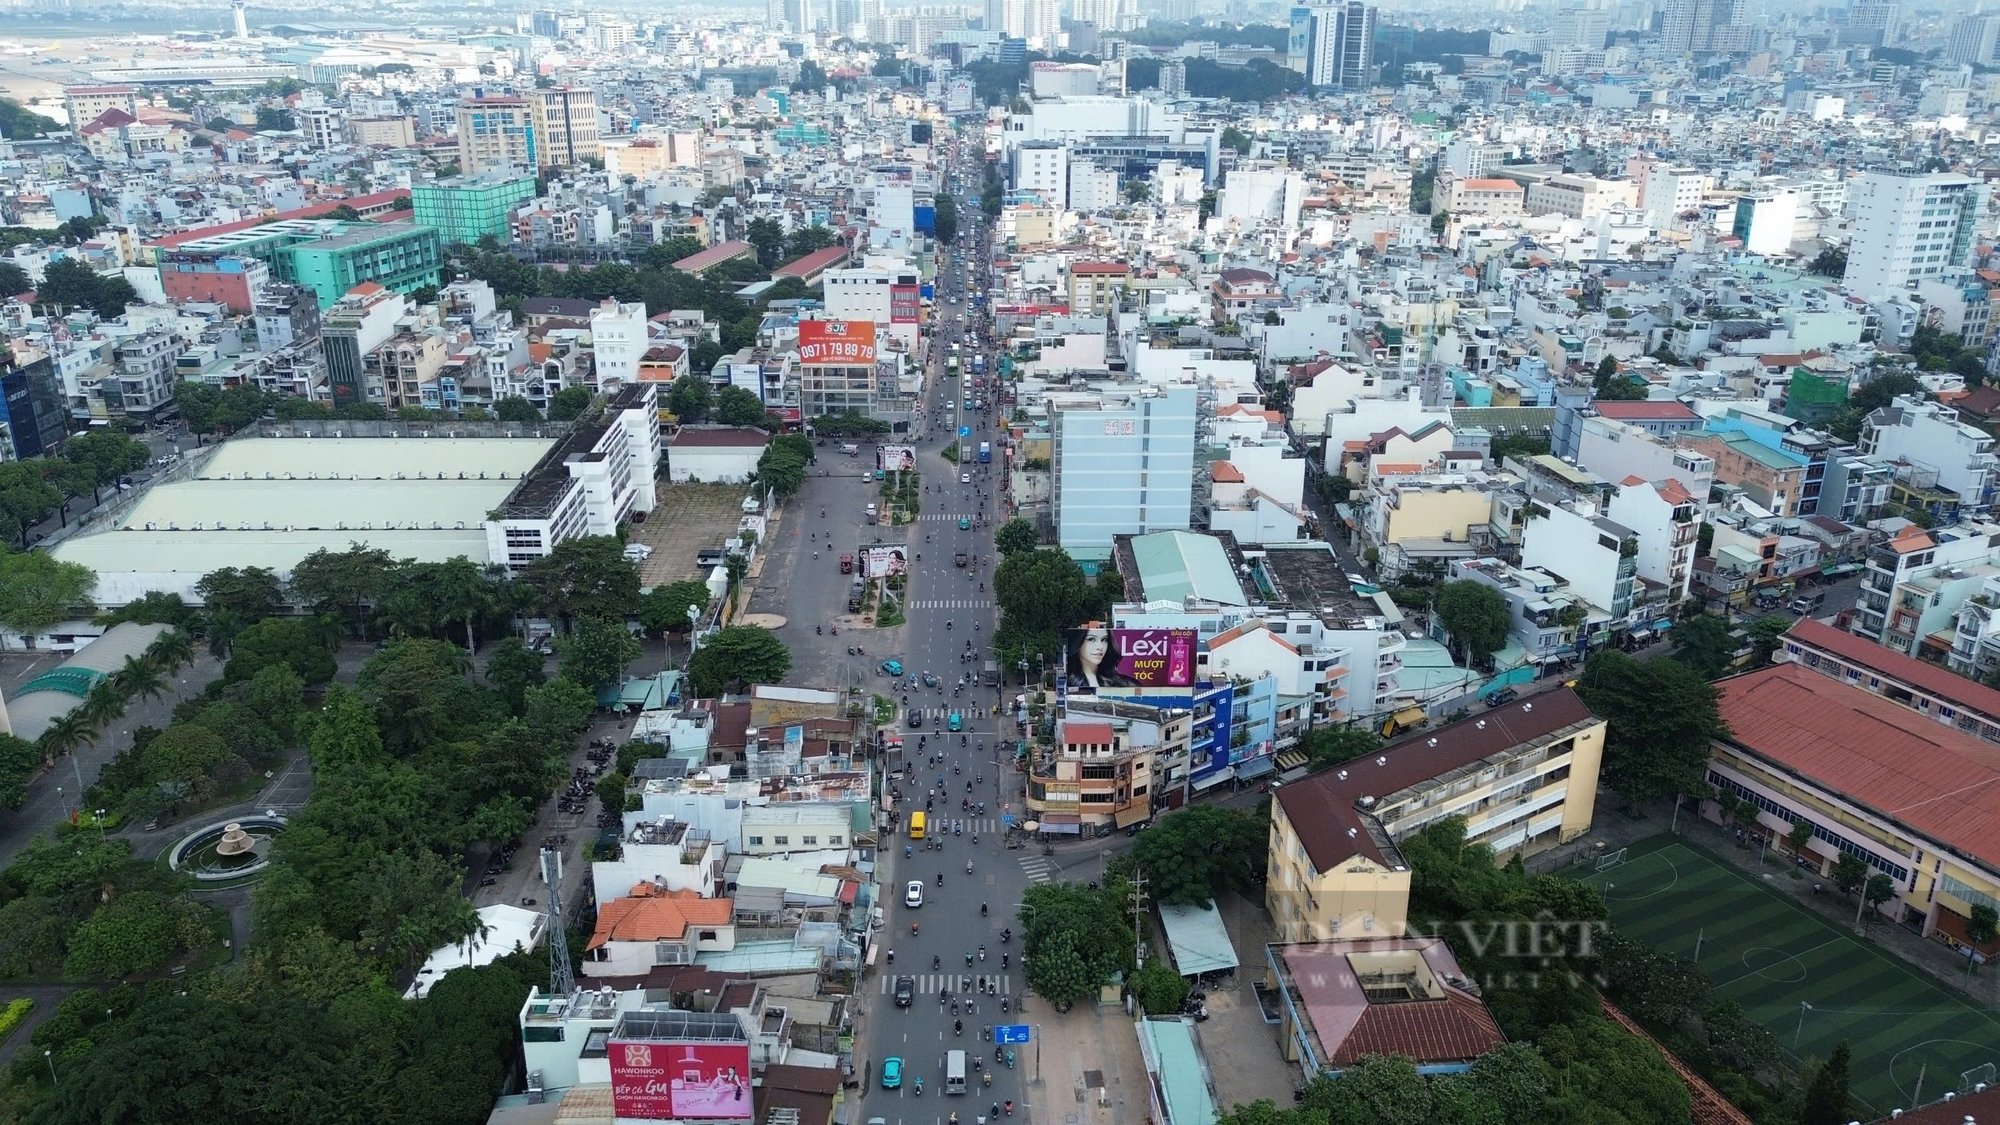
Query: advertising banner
[[667, 1080], [884, 562], [837, 343], [896, 458], [906, 304], [1102, 657]]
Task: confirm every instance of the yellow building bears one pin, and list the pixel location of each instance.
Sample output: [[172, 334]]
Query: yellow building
[[1523, 776], [1915, 800]]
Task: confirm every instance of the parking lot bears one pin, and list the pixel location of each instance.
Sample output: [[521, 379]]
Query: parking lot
[[690, 517]]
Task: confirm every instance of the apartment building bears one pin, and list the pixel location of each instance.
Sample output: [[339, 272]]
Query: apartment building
[[566, 124], [1094, 286], [1666, 518], [1914, 584], [1123, 463], [1524, 777], [1097, 776], [1910, 800], [1909, 226], [588, 484], [1596, 555], [498, 133], [1484, 199], [1934, 449], [465, 209], [1773, 478], [1427, 520], [1239, 293], [1579, 197]]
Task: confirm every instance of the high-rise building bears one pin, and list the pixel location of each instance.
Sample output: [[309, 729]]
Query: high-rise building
[[497, 132], [1173, 77], [1695, 27], [1036, 21], [797, 16], [1909, 226], [1876, 23], [34, 418], [464, 208], [1580, 26], [1333, 44], [1123, 465], [1974, 40], [566, 118]]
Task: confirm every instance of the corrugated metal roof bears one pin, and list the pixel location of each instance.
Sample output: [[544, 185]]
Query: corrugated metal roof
[[1926, 776]]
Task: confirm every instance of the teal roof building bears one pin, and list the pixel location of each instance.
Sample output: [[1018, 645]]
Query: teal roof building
[[329, 256], [464, 208]]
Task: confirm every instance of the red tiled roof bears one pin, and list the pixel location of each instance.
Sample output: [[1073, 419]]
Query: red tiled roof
[[1322, 807], [1102, 269], [714, 255], [1222, 472], [358, 202], [1093, 734], [720, 437], [1982, 1106], [1456, 1027], [1453, 1029], [1872, 752], [816, 262], [1968, 695], [1646, 411]]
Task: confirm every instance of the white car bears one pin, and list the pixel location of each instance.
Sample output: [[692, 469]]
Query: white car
[[913, 895], [965, 478]]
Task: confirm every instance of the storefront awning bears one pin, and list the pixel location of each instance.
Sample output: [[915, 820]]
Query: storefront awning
[[1293, 759], [1060, 825], [1126, 818], [1205, 784], [1256, 767], [1662, 625]]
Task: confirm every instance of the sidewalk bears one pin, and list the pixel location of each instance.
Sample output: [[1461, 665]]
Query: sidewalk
[[1084, 1068]]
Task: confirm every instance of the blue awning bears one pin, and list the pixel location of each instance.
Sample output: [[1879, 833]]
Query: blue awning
[[1663, 624], [1255, 767]]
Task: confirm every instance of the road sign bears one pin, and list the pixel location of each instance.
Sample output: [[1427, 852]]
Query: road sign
[[1010, 1033], [965, 431]]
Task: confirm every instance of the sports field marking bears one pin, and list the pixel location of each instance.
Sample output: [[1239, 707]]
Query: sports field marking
[[1936, 1082], [1795, 969], [1612, 888], [1798, 958]]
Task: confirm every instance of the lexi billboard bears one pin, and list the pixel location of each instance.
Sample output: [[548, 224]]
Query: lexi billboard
[[837, 343], [665, 1080], [1130, 658]]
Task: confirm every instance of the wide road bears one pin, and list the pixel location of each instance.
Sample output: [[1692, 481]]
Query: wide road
[[949, 609]]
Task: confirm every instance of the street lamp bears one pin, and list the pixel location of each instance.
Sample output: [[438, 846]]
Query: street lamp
[[50, 1058]]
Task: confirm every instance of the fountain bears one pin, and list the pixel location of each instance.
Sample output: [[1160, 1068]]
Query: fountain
[[227, 851]]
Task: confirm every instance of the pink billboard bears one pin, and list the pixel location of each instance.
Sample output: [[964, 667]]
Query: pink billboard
[[690, 1081], [1124, 658]]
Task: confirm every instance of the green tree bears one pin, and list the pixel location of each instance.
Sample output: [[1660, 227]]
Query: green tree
[[1766, 634], [251, 592], [1040, 594], [286, 641], [664, 609], [782, 467], [1827, 1101], [1800, 834], [1476, 616], [421, 695], [152, 608], [14, 280], [107, 455], [1625, 388], [37, 591], [1704, 644], [569, 403], [343, 582], [769, 239], [20, 761], [516, 409], [1159, 989], [1831, 261], [71, 284], [1982, 925], [1376, 1090], [690, 399], [1661, 716], [738, 655], [511, 668], [1138, 191], [1016, 536], [594, 652], [1057, 973], [132, 933], [1877, 890], [1236, 140], [1330, 746], [735, 406], [588, 576], [1191, 855], [1849, 872], [806, 240], [946, 223]]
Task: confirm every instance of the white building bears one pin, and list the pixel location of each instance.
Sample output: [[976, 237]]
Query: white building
[[589, 484], [1262, 196], [1616, 450], [1058, 80], [1123, 465], [1043, 168], [1767, 219], [1667, 519], [1667, 191], [1596, 555], [618, 335], [715, 454], [1909, 226], [1937, 447], [1093, 189]]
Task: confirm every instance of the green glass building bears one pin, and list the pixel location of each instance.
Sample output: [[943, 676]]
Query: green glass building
[[327, 256], [463, 208]]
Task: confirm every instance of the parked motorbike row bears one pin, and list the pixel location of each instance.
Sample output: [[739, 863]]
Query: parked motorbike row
[[577, 797]]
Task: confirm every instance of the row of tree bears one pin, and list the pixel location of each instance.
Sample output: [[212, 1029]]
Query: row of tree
[[35, 488], [209, 409], [1042, 595]]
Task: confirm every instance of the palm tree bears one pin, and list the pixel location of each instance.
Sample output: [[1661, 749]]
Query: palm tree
[[140, 678], [67, 734], [105, 702], [173, 651], [222, 627]]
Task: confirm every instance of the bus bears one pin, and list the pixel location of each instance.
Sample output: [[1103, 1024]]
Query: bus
[[917, 825], [951, 365]]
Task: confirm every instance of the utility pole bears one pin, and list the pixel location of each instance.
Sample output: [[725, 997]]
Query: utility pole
[[1138, 905]]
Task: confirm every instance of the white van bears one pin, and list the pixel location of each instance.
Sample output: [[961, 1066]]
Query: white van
[[954, 1073], [849, 448]]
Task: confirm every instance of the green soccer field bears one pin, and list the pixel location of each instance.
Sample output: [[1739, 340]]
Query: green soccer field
[[1772, 956]]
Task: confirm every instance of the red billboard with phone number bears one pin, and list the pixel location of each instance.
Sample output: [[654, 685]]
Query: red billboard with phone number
[[837, 343], [691, 1081]]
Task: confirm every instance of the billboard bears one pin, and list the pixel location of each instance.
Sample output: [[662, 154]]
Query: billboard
[[837, 343], [906, 304], [667, 1080], [884, 562], [896, 458], [1102, 657]]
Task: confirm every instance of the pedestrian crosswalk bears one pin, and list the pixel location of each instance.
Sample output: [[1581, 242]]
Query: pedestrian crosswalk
[[953, 603], [1040, 868], [929, 985], [941, 517], [973, 826]]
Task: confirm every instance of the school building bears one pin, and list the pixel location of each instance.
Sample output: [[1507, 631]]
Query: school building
[[1917, 801]]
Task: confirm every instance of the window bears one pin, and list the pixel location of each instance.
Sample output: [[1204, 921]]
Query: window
[[836, 841], [809, 841], [756, 841], [782, 841]]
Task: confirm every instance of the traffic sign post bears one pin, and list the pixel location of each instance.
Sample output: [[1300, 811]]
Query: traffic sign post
[[965, 431], [1011, 1033]]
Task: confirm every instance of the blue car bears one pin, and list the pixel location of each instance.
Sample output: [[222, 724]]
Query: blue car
[[892, 667], [892, 1072]]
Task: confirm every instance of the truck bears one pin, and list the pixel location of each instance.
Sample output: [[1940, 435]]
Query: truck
[[1407, 719], [985, 452], [854, 595], [960, 559], [978, 365]]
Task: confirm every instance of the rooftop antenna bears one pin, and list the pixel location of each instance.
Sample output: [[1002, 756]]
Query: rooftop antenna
[[562, 979]]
